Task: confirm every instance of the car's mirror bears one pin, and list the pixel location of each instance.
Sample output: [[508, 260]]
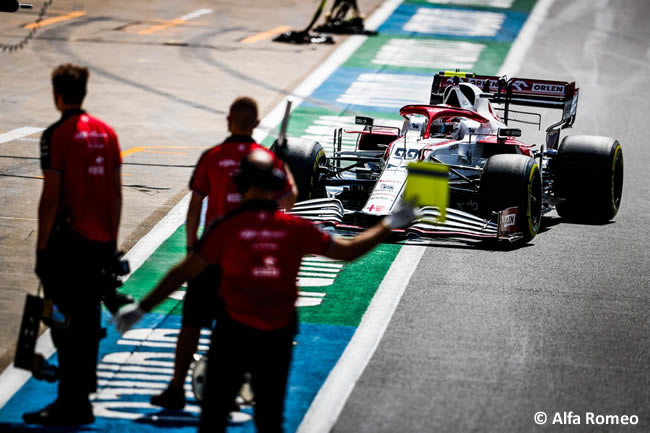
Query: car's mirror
[[508, 132], [363, 120]]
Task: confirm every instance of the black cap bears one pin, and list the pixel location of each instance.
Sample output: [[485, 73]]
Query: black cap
[[258, 169]]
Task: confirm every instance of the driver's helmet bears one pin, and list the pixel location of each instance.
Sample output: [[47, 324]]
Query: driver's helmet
[[448, 128]]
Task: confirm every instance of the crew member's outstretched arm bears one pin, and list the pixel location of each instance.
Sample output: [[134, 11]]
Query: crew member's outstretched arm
[[186, 270], [350, 249]]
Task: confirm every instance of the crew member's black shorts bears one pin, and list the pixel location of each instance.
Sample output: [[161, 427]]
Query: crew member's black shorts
[[201, 304]]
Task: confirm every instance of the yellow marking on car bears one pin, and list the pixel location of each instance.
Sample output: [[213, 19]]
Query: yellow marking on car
[[54, 20], [265, 35], [459, 74]]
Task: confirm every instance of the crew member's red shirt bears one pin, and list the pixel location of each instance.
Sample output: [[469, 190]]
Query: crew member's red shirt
[[86, 153], [212, 176], [260, 250]]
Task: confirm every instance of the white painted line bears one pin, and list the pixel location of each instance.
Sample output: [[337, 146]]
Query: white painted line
[[490, 3], [430, 54], [381, 14], [524, 40], [18, 218], [142, 250], [387, 90], [17, 133], [316, 78], [455, 22], [331, 398], [312, 294], [314, 282], [196, 14], [12, 378]]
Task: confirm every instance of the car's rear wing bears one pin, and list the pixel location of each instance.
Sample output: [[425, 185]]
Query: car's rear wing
[[561, 95]]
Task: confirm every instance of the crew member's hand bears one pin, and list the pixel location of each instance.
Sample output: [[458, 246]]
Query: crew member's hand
[[41, 264], [127, 316], [401, 216]]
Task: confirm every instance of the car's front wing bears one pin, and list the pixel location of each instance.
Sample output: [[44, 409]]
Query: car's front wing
[[330, 212]]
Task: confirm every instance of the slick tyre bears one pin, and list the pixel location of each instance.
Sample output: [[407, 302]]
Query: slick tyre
[[304, 160], [589, 177], [513, 181]]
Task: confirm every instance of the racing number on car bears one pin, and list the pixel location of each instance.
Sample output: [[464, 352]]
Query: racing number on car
[[410, 154]]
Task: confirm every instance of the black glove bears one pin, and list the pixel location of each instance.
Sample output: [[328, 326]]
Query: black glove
[[42, 264]]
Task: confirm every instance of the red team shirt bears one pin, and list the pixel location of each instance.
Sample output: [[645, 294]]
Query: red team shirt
[[260, 251], [86, 152], [212, 176]]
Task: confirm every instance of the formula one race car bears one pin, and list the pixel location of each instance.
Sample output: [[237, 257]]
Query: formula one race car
[[499, 186]]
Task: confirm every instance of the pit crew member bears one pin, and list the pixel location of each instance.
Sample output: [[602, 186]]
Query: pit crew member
[[212, 178], [78, 219]]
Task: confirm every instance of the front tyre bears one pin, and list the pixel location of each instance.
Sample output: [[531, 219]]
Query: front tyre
[[513, 181], [304, 160], [589, 178]]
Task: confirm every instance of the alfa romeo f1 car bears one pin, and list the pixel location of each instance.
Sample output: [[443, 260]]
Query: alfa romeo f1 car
[[499, 186]]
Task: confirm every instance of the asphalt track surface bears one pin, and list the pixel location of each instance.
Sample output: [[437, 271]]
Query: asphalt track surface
[[482, 340]]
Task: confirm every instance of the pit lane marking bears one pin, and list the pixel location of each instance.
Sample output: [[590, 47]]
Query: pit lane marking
[[455, 22], [327, 68], [524, 40], [54, 20], [491, 3], [265, 35], [175, 22], [431, 54], [155, 149], [387, 90], [18, 133]]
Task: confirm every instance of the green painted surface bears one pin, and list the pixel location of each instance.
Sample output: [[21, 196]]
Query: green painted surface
[[488, 63], [152, 270], [302, 118], [349, 297]]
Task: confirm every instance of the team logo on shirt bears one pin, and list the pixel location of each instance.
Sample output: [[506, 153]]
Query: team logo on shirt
[[98, 168], [262, 235], [233, 197], [269, 270], [228, 163]]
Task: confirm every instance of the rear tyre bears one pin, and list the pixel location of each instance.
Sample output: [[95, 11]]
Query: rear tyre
[[304, 160], [589, 177], [513, 181]]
